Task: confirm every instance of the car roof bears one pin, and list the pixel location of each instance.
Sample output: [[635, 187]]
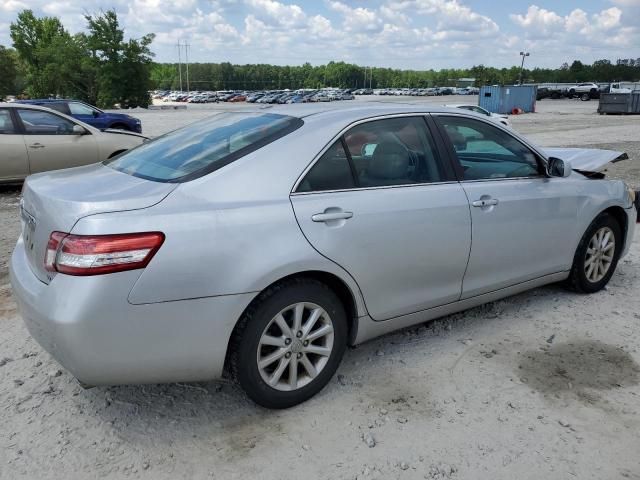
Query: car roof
[[31, 106], [48, 100], [23, 105], [349, 112]]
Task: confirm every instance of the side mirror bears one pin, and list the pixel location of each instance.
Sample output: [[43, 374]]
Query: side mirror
[[79, 130], [96, 113], [558, 167]]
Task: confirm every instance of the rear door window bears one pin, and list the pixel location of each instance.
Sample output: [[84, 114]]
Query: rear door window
[[393, 151], [203, 147], [331, 172]]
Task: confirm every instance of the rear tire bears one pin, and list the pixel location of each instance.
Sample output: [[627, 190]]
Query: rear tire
[[597, 255], [314, 321]]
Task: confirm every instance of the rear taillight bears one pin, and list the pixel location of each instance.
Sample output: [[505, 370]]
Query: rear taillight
[[100, 254]]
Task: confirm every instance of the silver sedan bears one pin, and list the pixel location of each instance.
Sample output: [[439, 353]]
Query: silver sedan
[[262, 243]]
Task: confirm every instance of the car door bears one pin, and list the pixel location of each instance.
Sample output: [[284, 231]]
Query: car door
[[381, 203], [14, 164], [523, 222], [52, 143]]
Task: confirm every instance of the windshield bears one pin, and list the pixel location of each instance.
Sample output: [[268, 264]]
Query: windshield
[[203, 147]]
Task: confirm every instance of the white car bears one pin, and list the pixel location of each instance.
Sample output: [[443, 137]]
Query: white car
[[36, 139], [496, 117], [584, 90]]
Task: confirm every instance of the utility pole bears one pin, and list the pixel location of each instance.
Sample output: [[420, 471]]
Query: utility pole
[[523, 55], [186, 54], [370, 76], [180, 64]]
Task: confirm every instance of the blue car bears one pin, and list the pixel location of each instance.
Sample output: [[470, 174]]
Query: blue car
[[89, 114]]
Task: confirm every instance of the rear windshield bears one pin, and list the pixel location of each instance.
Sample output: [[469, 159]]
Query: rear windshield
[[203, 147]]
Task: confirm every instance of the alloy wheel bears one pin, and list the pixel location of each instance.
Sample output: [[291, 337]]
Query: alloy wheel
[[295, 346], [599, 256]]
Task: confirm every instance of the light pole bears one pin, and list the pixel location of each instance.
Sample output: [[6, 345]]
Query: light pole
[[523, 55]]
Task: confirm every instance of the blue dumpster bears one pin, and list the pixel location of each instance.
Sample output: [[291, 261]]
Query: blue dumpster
[[504, 99]]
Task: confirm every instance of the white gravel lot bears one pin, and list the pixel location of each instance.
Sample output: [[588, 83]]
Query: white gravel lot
[[541, 385]]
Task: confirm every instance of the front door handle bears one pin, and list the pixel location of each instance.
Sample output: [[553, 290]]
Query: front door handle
[[36, 145], [485, 202], [329, 216]]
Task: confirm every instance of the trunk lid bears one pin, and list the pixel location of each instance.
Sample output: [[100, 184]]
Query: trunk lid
[[55, 201]]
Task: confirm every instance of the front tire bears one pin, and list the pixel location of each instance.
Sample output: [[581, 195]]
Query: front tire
[[289, 343], [597, 255]]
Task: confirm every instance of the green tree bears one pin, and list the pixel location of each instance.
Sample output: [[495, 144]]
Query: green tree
[[124, 67], [44, 46], [8, 72]]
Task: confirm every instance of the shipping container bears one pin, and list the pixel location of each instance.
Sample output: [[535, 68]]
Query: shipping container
[[506, 99], [619, 103]]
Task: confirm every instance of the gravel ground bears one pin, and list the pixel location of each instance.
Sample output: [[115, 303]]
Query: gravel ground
[[541, 385]]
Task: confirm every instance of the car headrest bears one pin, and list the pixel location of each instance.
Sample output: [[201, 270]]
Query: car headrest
[[390, 161]]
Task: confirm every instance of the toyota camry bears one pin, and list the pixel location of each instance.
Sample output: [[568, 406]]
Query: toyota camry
[[261, 244]]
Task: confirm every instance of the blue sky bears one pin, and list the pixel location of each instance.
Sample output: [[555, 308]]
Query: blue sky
[[417, 34]]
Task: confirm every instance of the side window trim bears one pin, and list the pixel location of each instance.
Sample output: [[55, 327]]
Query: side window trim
[[431, 129], [456, 162], [352, 167], [447, 164]]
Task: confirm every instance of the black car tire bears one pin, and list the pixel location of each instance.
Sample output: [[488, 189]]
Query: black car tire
[[578, 280], [243, 350]]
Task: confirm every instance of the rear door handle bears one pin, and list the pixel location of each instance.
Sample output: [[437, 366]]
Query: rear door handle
[[36, 145], [327, 217], [485, 202]]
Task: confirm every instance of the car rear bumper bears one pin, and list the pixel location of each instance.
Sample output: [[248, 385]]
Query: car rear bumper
[[88, 326]]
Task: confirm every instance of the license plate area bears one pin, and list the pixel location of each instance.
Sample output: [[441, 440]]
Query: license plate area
[[28, 229]]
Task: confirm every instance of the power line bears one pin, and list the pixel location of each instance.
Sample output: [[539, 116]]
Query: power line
[[186, 54], [180, 63]]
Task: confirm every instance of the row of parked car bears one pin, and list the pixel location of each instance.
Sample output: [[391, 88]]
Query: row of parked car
[[418, 92], [264, 96], [301, 95]]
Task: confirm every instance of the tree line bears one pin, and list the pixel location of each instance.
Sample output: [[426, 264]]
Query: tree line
[[226, 76], [99, 66], [103, 68]]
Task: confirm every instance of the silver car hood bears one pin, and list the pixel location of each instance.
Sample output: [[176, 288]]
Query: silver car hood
[[586, 159]]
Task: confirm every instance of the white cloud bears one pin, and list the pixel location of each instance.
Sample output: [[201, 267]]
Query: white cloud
[[395, 33], [357, 19], [543, 22], [272, 11], [627, 3], [12, 5]]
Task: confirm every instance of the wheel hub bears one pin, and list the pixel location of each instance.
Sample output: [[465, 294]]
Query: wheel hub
[[296, 346]]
